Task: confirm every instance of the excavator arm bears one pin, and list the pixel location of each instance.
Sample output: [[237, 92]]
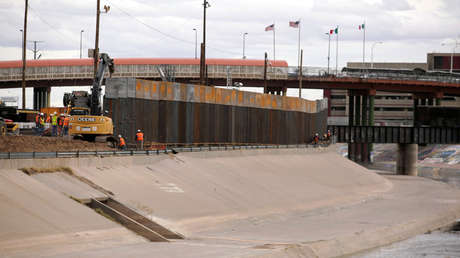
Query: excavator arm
[[104, 62]]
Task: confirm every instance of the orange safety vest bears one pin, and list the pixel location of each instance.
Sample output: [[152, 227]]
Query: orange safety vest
[[48, 119], [122, 142], [66, 121], [37, 119], [140, 136]]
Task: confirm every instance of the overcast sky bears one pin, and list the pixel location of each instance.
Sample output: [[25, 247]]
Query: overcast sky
[[146, 28]]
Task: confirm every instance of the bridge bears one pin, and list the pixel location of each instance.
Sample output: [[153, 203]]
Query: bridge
[[43, 74], [79, 72]]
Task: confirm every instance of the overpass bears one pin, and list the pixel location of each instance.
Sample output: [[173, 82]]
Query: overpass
[[79, 72]]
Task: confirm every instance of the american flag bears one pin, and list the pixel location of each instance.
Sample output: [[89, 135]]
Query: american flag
[[270, 27], [294, 24]]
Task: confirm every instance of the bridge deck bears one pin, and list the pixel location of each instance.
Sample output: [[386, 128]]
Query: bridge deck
[[79, 72]]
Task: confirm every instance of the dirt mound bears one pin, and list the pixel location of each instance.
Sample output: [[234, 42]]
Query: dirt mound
[[25, 143]]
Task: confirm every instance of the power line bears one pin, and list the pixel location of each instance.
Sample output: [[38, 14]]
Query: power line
[[64, 37], [166, 34]]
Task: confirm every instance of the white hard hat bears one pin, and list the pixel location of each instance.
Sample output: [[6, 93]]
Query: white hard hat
[[119, 136], [138, 130], [41, 114], [55, 112]]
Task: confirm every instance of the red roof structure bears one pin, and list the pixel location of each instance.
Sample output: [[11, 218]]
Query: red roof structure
[[141, 61]]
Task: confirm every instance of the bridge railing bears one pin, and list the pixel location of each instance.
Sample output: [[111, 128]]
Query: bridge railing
[[214, 71], [144, 71]]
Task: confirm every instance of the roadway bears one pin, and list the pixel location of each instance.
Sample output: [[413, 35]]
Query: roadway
[[437, 89], [75, 72]]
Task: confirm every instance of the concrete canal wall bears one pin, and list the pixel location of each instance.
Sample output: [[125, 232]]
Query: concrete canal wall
[[185, 113]]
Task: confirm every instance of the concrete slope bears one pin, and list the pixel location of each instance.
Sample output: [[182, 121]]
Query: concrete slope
[[193, 191], [255, 203], [35, 217]]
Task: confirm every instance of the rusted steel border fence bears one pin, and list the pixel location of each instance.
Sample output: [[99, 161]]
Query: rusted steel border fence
[[185, 114]]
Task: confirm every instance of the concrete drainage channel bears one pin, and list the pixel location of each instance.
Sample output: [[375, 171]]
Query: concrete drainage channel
[[133, 221], [84, 191]]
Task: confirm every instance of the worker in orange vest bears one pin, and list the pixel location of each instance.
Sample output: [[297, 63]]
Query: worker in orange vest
[[37, 120], [121, 143], [65, 125], [140, 140], [61, 124], [37, 124]]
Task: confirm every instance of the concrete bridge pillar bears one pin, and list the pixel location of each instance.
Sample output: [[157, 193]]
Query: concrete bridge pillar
[[42, 97], [406, 163]]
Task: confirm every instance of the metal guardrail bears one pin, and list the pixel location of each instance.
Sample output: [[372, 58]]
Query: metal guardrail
[[215, 71], [81, 154]]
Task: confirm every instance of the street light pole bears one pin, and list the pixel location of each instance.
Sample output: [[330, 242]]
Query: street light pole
[[195, 42], [96, 45], [244, 44], [22, 42], [328, 52], [24, 39], [203, 45], [452, 56], [81, 35], [372, 52], [456, 43]]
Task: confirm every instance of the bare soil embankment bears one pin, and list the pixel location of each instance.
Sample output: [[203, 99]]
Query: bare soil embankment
[[25, 143]]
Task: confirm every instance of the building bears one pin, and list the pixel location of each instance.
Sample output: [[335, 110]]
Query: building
[[392, 108]]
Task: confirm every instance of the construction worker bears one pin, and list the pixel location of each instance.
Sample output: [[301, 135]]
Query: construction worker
[[37, 124], [42, 124], [121, 143], [65, 125], [140, 140], [54, 123], [37, 120], [61, 124], [328, 137], [316, 139]]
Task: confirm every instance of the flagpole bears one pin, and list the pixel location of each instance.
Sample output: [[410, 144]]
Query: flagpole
[[337, 52], [274, 56], [364, 44], [328, 51], [298, 48]]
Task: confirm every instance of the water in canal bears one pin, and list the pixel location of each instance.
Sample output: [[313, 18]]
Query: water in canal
[[436, 244]]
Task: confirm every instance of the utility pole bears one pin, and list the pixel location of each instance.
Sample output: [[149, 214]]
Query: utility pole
[[23, 83], [35, 48], [96, 47], [203, 45]]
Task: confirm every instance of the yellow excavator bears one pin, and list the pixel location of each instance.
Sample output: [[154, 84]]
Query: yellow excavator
[[86, 118]]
